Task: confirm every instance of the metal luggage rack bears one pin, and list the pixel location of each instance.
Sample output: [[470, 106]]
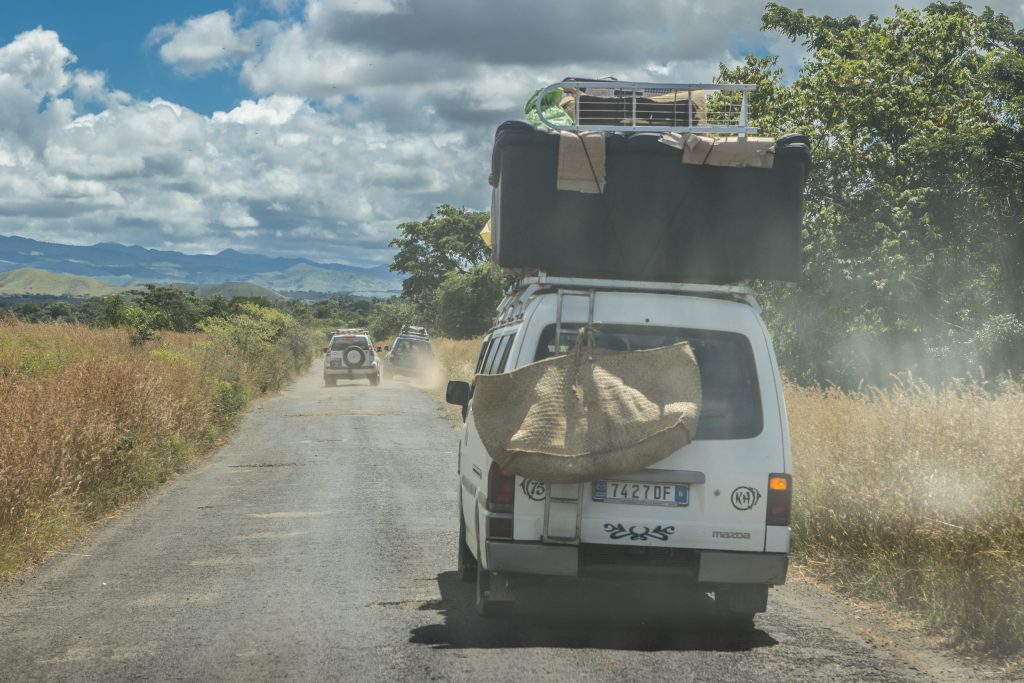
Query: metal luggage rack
[[634, 106], [513, 306]]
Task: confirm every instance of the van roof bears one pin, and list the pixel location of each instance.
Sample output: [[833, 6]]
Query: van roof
[[511, 309]]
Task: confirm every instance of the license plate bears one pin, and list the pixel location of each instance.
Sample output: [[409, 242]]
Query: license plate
[[641, 493]]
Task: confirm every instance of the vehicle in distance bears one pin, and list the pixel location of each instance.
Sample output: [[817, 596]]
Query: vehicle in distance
[[712, 517], [350, 356], [410, 354]]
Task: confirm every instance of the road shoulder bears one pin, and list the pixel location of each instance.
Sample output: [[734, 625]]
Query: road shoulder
[[898, 634]]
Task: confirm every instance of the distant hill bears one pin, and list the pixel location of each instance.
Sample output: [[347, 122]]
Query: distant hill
[[34, 281], [117, 264], [229, 290]]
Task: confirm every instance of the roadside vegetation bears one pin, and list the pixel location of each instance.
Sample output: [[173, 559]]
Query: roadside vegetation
[[912, 496], [94, 418]]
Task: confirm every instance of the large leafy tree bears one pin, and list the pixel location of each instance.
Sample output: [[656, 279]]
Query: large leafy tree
[[447, 241], [914, 241]]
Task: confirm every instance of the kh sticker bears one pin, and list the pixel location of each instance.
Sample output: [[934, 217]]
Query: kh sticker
[[745, 497]]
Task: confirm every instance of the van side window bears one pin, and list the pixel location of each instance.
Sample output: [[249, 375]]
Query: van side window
[[494, 364], [483, 354], [494, 357], [504, 356], [485, 369]]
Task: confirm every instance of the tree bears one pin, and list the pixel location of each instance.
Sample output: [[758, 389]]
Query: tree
[[447, 241], [465, 302], [170, 308], [914, 243], [389, 317]]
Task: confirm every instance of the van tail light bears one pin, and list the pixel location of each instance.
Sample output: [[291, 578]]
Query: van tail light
[[780, 499], [501, 490]]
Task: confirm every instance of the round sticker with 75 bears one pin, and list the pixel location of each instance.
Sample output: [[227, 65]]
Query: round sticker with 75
[[534, 490]]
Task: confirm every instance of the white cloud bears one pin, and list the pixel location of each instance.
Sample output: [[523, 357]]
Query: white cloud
[[202, 44], [325, 10], [267, 175]]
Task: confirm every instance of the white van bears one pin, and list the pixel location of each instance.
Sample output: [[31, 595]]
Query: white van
[[713, 516]]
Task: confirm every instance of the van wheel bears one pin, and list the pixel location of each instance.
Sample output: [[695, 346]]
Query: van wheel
[[486, 607], [374, 380], [330, 381], [467, 563]]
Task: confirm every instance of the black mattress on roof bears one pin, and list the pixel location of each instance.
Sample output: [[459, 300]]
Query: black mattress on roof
[[658, 219]]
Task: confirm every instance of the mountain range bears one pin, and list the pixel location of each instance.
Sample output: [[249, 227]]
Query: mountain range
[[121, 265]]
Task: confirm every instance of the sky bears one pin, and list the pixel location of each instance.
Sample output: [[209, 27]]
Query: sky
[[311, 128]]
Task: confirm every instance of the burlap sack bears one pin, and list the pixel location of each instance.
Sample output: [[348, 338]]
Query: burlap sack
[[589, 414]]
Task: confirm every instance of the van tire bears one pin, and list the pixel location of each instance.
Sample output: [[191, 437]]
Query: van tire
[[374, 380], [467, 566], [330, 381], [484, 606]]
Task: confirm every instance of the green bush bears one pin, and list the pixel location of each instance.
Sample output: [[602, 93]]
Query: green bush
[[464, 302]]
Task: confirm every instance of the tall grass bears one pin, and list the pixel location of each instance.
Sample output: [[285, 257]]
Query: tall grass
[[457, 357], [912, 496], [90, 421]]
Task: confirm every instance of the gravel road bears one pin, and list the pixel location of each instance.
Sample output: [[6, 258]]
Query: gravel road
[[320, 545]]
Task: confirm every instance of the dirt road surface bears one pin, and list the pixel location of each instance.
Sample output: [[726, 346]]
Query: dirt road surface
[[320, 545]]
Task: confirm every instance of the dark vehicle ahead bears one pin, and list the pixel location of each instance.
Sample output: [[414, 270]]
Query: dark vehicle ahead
[[410, 355]]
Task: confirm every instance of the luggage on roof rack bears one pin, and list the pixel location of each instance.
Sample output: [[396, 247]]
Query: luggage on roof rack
[[610, 105], [671, 205]]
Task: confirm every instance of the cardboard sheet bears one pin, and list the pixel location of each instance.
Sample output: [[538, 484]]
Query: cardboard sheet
[[581, 162], [702, 150]]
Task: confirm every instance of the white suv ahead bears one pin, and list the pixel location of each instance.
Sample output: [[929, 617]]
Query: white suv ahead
[[350, 356], [712, 517]]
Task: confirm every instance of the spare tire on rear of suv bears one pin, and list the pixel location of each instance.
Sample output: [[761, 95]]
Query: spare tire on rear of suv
[[353, 357]]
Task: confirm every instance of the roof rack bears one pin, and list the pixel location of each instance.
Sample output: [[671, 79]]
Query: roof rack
[[513, 305], [413, 331], [611, 106]]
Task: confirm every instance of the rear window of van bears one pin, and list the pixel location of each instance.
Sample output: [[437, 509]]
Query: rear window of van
[[731, 406]]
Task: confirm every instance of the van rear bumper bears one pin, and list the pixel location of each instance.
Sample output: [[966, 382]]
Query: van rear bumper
[[518, 557], [713, 567], [768, 569]]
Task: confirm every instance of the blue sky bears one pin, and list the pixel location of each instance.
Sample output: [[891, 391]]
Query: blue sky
[[310, 127], [110, 35]]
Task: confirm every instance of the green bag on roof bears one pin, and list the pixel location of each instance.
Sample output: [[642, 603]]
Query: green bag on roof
[[553, 111]]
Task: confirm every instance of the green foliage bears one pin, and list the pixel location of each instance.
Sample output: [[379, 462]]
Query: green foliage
[[272, 344], [448, 240], [914, 243], [465, 302], [389, 316], [143, 321], [171, 308]]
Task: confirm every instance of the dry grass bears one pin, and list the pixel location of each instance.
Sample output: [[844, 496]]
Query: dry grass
[[457, 359], [90, 422], [913, 497]]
